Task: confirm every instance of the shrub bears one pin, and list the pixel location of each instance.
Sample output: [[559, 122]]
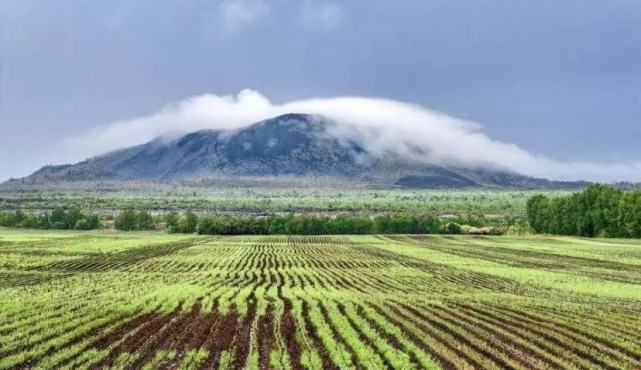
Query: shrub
[[11, 219], [31, 222], [452, 228], [144, 221], [93, 222], [126, 220], [82, 224]]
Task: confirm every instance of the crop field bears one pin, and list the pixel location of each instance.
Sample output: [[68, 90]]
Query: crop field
[[150, 300]]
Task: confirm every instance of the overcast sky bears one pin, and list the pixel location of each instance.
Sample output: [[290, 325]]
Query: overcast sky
[[557, 78]]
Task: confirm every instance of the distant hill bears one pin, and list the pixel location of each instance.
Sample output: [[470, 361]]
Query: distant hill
[[296, 145]]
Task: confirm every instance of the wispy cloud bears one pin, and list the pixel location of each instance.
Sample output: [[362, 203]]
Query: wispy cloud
[[382, 126], [321, 14], [241, 13]]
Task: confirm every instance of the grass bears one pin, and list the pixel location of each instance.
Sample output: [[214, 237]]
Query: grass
[[152, 300]]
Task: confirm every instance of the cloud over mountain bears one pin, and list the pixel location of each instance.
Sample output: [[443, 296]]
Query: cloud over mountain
[[381, 126]]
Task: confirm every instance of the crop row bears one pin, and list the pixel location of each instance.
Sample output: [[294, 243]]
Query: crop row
[[307, 303]]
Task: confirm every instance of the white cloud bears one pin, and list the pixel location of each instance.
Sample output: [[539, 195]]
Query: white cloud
[[320, 14], [381, 125], [241, 13]]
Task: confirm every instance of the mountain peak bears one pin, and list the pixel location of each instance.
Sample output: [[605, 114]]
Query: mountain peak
[[290, 117], [292, 121], [292, 144]]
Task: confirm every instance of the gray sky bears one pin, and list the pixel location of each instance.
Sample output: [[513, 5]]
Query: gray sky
[[559, 78]]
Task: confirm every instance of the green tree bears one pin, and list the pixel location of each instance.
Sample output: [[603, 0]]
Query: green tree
[[537, 213], [171, 222], [58, 219], [126, 220], [72, 216], [599, 210], [144, 221], [187, 223], [630, 214], [43, 221], [93, 222]]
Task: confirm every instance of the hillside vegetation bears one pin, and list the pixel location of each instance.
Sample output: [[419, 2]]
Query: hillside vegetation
[[261, 201]]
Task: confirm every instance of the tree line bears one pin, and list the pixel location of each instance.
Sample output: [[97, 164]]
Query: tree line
[[189, 222], [320, 225], [599, 210], [324, 225], [58, 219]]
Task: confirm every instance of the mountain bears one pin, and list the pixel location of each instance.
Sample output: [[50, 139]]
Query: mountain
[[296, 145]]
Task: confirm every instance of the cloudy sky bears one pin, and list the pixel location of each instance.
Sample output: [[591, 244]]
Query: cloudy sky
[[559, 79]]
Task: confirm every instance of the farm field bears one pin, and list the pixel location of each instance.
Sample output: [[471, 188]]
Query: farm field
[[150, 300]]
